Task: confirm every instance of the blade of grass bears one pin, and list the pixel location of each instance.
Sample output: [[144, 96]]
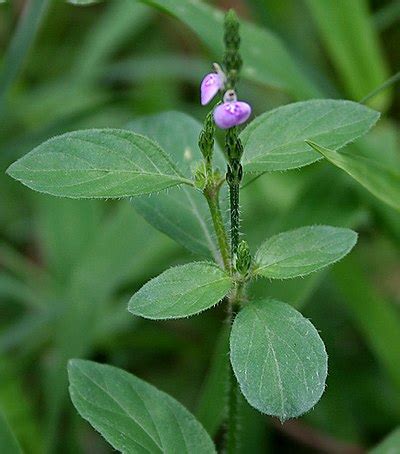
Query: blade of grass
[[353, 46], [20, 45]]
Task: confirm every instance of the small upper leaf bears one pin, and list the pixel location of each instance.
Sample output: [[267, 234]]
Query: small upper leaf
[[106, 163], [181, 291], [133, 416], [303, 251], [278, 358], [380, 180], [275, 140]]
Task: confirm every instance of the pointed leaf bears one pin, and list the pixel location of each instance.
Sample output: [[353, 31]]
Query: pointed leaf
[[302, 251], [106, 163], [382, 181], [132, 415], [275, 140], [181, 213], [181, 291], [278, 358]]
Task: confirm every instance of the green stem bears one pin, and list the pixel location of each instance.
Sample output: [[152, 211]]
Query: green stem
[[235, 218], [232, 424], [211, 195], [232, 434]]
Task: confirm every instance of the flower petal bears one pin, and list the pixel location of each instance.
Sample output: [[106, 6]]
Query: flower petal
[[231, 114], [210, 86]]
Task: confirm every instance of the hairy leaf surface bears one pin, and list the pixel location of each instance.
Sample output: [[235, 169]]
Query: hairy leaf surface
[[276, 139], [278, 358], [101, 163], [302, 251], [132, 415], [181, 291]]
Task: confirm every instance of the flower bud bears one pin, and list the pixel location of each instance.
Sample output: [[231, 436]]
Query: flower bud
[[243, 258], [211, 84]]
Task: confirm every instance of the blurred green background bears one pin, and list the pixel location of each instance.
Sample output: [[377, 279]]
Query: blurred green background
[[68, 268]]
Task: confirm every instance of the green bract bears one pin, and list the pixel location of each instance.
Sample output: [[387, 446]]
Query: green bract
[[102, 163], [276, 139], [278, 358], [132, 415], [303, 251], [181, 291], [380, 180]]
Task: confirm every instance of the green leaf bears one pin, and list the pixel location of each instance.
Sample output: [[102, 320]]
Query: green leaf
[[302, 251], [278, 358], [390, 445], [134, 416], [180, 213], [266, 59], [276, 139], [382, 181], [8, 442], [352, 43], [181, 291], [106, 163]]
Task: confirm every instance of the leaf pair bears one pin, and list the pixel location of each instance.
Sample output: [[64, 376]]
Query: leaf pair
[[112, 163], [279, 361], [119, 163], [192, 288]]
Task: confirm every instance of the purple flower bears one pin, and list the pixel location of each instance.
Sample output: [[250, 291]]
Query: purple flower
[[211, 84], [231, 112]]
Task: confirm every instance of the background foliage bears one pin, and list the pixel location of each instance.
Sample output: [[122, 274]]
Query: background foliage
[[67, 268]]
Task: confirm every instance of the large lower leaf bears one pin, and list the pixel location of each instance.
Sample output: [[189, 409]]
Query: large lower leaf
[[181, 213], [276, 139], [106, 163], [302, 251], [379, 179], [278, 358], [133, 416], [266, 59], [181, 291]]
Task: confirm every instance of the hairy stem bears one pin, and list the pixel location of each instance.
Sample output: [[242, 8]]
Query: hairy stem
[[232, 435], [235, 218], [218, 223]]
